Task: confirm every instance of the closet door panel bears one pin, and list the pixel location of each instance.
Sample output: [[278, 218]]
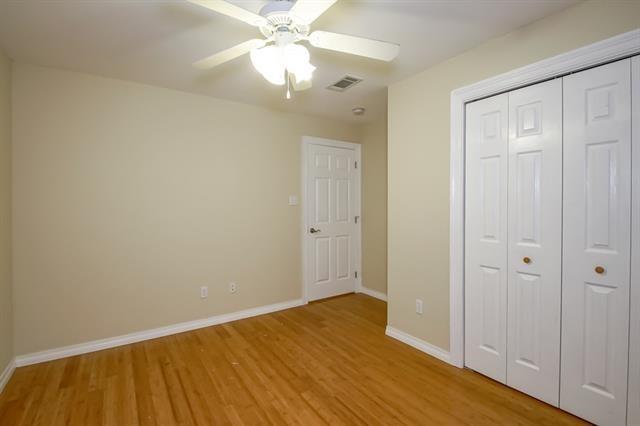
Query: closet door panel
[[535, 233], [486, 237], [633, 414], [596, 243]]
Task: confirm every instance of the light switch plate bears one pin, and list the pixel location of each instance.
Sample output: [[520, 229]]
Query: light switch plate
[[293, 200]]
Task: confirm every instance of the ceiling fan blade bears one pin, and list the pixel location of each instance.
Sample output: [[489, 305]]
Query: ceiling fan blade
[[300, 86], [231, 10], [380, 50], [310, 10], [229, 54]]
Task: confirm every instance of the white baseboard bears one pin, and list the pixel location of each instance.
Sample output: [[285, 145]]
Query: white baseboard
[[112, 342], [419, 344], [373, 293], [7, 373]]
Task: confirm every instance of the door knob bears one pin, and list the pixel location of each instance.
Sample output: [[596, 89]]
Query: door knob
[[314, 230], [599, 270], [526, 260]]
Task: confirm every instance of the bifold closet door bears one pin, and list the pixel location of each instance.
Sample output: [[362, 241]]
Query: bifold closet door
[[486, 237], [535, 240], [596, 243]]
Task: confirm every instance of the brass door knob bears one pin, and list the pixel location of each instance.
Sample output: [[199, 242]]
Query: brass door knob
[[526, 260], [599, 270]]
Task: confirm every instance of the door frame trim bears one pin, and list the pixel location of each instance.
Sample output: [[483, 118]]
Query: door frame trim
[[633, 394], [304, 149], [611, 49]]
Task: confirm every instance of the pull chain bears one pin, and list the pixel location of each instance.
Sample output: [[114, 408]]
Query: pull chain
[[288, 96]]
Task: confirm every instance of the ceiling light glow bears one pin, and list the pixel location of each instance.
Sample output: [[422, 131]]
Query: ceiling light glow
[[273, 61]]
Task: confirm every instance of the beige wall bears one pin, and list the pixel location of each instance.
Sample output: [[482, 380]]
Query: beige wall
[[6, 316], [419, 153], [128, 198], [374, 205]]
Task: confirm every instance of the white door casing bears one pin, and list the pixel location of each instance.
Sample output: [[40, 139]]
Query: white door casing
[[486, 237], [596, 233], [332, 203], [535, 240], [633, 412]]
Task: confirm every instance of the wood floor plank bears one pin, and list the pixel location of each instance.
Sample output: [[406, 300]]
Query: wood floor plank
[[325, 363]]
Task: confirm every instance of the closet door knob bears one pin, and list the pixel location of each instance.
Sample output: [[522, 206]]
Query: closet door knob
[[599, 270], [526, 260]]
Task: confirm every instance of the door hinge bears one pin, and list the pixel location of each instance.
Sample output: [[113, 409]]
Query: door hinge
[[357, 219], [356, 164], [356, 274]]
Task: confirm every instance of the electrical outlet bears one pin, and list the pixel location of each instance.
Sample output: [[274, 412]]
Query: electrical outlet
[[204, 292], [233, 287], [418, 306]]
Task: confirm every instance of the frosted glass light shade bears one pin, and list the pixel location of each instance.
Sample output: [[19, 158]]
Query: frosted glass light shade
[[297, 62], [272, 61], [269, 62]]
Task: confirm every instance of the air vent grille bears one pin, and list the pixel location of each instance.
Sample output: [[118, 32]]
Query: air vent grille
[[344, 83]]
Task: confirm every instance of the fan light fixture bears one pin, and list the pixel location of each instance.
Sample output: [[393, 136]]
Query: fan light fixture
[[278, 56], [273, 61]]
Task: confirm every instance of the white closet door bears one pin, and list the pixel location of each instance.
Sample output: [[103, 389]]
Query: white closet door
[[486, 237], [596, 243], [633, 416], [535, 234]]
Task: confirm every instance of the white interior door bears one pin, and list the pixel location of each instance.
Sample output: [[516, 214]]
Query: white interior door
[[535, 240], [486, 237], [596, 243], [332, 208], [633, 414]]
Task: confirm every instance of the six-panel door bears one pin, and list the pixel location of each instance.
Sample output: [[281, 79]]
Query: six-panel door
[[486, 237], [535, 240], [596, 250], [331, 205]]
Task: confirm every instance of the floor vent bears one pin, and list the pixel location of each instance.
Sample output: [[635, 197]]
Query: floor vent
[[344, 83]]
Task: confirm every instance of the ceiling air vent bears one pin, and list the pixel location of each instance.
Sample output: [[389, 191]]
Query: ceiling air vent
[[344, 83]]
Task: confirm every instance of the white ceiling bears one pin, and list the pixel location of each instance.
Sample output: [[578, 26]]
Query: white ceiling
[[155, 42]]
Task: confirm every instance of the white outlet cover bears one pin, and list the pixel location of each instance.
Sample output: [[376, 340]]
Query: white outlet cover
[[233, 287], [419, 306], [204, 292], [293, 200]]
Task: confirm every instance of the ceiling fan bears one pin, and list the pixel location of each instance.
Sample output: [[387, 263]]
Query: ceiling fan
[[283, 23]]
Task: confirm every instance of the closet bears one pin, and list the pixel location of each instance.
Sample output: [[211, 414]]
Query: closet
[[548, 240]]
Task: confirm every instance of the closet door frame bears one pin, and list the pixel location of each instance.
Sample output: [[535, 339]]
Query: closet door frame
[[633, 397], [614, 48]]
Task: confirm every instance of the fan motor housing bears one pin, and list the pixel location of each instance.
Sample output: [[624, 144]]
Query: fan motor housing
[[275, 7], [279, 19]]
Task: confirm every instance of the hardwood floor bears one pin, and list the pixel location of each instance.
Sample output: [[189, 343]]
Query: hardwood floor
[[325, 363]]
